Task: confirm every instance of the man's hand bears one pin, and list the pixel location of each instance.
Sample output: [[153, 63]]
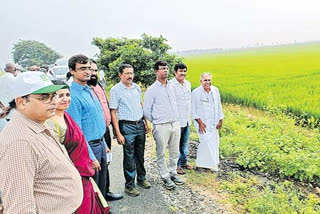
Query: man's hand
[[1, 209], [146, 128], [202, 126], [219, 125], [108, 150], [5, 111], [120, 139], [96, 165]]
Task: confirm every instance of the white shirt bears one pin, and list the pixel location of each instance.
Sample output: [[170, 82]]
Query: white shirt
[[206, 106], [5, 94], [183, 99], [160, 104]]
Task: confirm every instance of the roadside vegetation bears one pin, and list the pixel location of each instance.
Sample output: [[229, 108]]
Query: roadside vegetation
[[275, 160]]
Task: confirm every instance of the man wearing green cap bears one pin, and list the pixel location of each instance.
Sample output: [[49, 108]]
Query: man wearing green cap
[[37, 175]]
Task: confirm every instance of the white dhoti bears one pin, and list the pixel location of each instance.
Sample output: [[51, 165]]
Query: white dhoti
[[208, 150]]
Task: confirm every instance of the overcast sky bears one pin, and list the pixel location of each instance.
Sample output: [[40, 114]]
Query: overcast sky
[[68, 26]]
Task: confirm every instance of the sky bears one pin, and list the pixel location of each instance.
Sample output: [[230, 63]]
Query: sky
[[68, 26]]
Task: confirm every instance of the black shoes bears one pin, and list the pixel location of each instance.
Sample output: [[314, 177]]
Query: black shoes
[[113, 196]]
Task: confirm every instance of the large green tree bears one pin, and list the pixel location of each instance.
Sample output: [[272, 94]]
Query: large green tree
[[140, 53], [30, 52]]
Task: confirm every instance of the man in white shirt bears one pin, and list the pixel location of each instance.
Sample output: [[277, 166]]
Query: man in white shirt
[[161, 109], [182, 89], [5, 96], [208, 116]]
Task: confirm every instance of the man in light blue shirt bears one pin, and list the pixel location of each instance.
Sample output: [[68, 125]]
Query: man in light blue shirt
[[86, 111], [161, 109], [130, 128], [182, 89]]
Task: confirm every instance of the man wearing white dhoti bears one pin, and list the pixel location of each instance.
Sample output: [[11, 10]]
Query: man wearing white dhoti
[[208, 116]]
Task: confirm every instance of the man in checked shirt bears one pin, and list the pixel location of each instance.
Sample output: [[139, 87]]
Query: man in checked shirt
[[37, 175]]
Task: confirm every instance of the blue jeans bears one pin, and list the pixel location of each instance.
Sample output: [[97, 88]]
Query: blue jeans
[[99, 150], [133, 152], [183, 147]]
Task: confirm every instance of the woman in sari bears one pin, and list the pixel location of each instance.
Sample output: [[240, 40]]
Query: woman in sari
[[67, 132]]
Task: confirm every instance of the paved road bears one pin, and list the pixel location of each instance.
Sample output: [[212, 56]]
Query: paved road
[[149, 201]]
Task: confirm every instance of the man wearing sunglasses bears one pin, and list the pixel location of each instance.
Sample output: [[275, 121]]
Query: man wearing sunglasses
[[37, 175]]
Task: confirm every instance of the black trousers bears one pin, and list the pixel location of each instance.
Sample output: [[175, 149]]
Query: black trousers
[[107, 138]]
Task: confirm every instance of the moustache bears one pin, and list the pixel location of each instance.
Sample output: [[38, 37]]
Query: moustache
[[95, 76], [129, 79]]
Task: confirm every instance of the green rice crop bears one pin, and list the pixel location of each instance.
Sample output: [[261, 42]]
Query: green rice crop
[[283, 77]]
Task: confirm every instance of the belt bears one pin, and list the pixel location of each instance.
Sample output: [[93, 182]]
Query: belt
[[96, 141], [131, 122]]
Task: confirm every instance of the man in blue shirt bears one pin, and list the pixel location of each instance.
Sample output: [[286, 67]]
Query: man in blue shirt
[[130, 128], [86, 110], [161, 109]]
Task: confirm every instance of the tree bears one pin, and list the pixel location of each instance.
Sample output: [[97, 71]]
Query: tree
[[29, 52], [140, 53]]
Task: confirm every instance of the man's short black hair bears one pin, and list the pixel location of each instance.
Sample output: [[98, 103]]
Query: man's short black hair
[[159, 63], [79, 58], [68, 75], [180, 66], [123, 66], [93, 61]]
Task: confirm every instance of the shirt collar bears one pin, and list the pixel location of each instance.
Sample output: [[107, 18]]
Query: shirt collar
[[80, 87], [160, 84], [205, 91], [123, 86], [175, 81], [34, 126]]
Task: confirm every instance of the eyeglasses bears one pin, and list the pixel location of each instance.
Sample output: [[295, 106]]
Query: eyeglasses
[[164, 68], [46, 98], [83, 69]]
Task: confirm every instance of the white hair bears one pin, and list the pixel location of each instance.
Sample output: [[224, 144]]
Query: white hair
[[205, 74]]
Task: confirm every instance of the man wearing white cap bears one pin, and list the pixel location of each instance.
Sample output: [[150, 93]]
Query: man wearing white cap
[[37, 175]]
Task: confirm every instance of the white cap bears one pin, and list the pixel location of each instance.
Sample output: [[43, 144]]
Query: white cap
[[33, 82]]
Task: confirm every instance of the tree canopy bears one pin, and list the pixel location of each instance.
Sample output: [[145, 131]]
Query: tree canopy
[[29, 52], [140, 53]]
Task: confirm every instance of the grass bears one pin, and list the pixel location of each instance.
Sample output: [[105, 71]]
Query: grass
[[285, 77]]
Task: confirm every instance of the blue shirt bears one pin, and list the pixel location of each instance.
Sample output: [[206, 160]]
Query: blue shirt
[[160, 103], [127, 101], [86, 111]]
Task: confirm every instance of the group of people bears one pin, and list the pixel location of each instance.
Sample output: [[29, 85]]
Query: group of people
[[55, 151]]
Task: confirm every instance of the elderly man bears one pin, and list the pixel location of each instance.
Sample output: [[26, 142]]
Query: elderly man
[[182, 89], [37, 175], [161, 109], [130, 128], [99, 91], [5, 96], [208, 116], [86, 111]]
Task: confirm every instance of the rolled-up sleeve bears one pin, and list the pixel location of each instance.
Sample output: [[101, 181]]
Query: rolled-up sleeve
[[148, 103], [18, 164]]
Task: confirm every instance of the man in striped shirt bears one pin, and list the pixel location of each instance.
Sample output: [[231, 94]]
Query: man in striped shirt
[[37, 175]]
